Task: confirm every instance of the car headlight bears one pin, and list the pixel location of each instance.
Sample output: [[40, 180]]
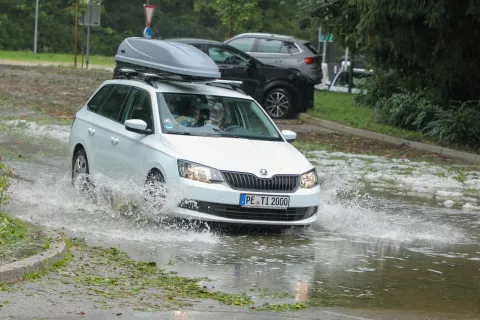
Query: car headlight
[[195, 171], [309, 179]]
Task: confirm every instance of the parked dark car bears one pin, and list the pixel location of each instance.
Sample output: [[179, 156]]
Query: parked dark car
[[282, 92], [281, 51]]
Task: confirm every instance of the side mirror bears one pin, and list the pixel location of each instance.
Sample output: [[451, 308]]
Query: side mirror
[[250, 65], [290, 136], [137, 126]]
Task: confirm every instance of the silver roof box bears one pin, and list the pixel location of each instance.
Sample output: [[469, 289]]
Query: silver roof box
[[164, 57]]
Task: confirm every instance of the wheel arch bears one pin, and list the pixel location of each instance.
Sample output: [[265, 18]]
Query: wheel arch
[[154, 170]]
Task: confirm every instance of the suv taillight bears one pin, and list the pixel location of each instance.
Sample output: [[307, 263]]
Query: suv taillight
[[309, 60]]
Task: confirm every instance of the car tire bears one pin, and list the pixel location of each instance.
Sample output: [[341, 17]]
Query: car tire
[[278, 103], [154, 191], [81, 172]]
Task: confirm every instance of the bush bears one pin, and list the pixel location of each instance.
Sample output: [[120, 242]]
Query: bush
[[5, 176], [381, 85], [458, 125], [408, 110]]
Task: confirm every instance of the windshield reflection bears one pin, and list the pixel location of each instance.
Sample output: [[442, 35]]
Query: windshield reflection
[[205, 115]]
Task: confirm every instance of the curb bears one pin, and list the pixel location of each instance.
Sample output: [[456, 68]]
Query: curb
[[23, 63], [470, 157], [15, 271]]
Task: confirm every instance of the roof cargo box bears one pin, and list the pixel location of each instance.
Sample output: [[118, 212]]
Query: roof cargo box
[[164, 57]]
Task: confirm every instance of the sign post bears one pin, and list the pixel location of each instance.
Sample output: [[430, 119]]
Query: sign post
[[35, 36], [91, 19], [149, 10]]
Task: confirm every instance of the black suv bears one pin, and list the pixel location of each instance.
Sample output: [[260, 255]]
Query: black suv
[[282, 92]]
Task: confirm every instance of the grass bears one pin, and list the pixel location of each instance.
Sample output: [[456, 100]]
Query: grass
[[341, 108], [54, 57], [20, 239], [126, 278]]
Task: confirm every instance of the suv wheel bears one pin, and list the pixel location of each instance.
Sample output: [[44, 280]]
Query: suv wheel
[[80, 171], [278, 103]]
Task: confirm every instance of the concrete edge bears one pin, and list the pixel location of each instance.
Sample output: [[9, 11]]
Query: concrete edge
[[15, 271], [461, 155], [26, 63]]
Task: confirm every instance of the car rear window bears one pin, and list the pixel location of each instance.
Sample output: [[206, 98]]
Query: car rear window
[[289, 47], [310, 47]]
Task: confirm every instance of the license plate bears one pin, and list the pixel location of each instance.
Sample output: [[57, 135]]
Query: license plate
[[261, 201]]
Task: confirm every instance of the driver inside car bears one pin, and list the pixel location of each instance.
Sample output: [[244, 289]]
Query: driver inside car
[[217, 115]]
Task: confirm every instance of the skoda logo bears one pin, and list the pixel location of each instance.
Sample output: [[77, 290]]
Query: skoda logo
[[263, 172]]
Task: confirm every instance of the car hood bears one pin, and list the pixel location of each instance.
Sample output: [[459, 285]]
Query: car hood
[[240, 155]]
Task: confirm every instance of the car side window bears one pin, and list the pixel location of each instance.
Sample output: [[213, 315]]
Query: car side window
[[269, 46], [139, 106], [244, 44], [96, 102], [223, 56], [113, 105], [289, 48]]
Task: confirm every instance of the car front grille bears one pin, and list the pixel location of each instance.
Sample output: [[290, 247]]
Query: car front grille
[[248, 181], [237, 212]]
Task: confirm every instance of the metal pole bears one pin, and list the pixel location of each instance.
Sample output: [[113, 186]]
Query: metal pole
[[76, 36], [35, 37], [324, 55], [319, 36], [346, 59], [88, 33]]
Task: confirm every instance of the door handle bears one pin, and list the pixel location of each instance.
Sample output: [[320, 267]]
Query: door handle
[[91, 131], [114, 140]]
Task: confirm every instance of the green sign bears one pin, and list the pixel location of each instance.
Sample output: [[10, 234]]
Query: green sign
[[324, 37]]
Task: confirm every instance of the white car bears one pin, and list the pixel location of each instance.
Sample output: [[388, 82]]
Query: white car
[[243, 172], [187, 137]]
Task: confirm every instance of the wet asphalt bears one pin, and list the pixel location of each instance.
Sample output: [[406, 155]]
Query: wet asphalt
[[366, 258]]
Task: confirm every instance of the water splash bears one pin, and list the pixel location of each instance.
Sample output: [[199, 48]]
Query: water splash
[[113, 210], [346, 211]]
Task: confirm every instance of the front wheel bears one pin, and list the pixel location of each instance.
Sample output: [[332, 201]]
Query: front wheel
[[154, 192], [278, 103], [81, 171]]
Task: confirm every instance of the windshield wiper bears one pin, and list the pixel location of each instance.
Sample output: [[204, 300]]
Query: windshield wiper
[[180, 133]]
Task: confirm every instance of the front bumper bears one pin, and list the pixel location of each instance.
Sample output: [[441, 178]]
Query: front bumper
[[220, 203]]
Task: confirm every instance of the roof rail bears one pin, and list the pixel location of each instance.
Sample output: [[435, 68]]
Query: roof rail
[[266, 34], [150, 78]]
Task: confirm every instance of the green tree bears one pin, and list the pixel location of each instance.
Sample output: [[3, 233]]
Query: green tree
[[432, 42], [232, 13]]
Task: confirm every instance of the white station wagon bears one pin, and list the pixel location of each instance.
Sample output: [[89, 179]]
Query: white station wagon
[[215, 150]]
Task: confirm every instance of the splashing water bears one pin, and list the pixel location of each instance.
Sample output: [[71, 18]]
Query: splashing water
[[113, 210], [346, 211]]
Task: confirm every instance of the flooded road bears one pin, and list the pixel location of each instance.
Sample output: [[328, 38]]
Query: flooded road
[[364, 254]]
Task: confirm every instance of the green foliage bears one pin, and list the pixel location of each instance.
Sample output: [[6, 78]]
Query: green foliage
[[133, 278], [207, 19], [458, 125], [11, 230], [380, 86], [231, 12], [5, 176], [341, 108], [408, 110], [282, 307]]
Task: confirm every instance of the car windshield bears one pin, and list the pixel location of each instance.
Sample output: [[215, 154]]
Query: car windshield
[[206, 115]]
